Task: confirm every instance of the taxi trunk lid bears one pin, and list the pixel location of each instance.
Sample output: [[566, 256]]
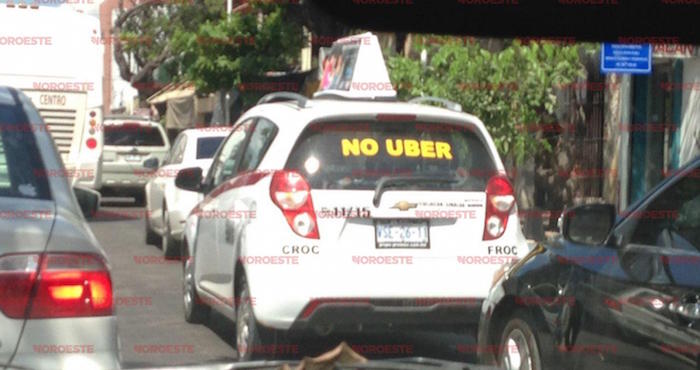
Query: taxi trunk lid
[[382, 188]]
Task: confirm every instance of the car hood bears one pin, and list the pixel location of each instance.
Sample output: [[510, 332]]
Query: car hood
[[341, 357]]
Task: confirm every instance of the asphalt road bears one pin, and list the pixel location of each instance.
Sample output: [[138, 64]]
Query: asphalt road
[[152, 328]]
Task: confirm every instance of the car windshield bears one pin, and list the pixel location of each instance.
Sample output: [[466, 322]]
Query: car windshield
[[133, 134], [423, 181], [207, 146]]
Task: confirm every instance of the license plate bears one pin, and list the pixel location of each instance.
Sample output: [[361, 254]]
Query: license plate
[[133, 158], [402, 234]]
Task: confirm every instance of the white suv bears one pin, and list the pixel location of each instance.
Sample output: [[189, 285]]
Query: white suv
[[331, 215]]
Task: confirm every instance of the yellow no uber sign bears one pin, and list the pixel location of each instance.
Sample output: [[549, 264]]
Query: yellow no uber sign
[[397, 148]]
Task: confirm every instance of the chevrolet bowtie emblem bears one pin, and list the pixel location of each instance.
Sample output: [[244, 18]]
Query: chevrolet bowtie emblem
[[404, 205]]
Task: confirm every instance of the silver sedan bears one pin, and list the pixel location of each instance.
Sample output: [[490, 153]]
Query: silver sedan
[[56, 310]]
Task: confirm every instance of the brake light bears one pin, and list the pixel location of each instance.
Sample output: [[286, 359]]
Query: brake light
[[292, 194], [395, 117], [91, 143], [499, 202], [64, 285]]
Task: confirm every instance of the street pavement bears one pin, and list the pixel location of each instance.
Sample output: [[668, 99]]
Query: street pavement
[[151, 324]]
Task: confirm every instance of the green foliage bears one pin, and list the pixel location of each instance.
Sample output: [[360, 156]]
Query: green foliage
[[226, 53], [510, 90], [148, 31]]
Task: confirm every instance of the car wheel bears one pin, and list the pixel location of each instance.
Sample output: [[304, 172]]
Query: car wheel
[[519, 348], [168, 243], [151, 237], [251, 337], [195, 310]]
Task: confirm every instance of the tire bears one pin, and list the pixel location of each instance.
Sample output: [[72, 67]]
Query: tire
[[519, 348], [250, 335], [151, 237], [168, 243], [196, 311]]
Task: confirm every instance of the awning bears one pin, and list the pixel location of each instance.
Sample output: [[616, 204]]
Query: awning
[[172, 91]]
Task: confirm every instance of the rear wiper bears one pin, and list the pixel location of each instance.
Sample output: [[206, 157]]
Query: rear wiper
[[393, 181]]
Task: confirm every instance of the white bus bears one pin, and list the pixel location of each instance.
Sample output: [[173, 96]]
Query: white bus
[[51, 55]]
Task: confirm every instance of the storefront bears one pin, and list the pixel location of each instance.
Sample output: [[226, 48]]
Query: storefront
[[664, 117]]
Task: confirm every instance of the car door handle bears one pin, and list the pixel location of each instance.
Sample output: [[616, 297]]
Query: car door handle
[[688, 308]]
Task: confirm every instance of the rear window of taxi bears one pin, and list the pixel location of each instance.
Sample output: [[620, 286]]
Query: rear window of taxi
[[356, 155]]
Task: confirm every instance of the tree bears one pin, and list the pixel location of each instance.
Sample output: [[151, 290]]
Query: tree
[[143, 34], [226, 53], [512, 90], [160, 22]]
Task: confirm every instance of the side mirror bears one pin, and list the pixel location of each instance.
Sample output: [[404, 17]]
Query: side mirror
[[588, 224], [88, 200], [151, 163], [189, 179]]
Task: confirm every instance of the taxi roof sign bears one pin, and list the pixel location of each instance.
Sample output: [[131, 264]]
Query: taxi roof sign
[[353, 67]]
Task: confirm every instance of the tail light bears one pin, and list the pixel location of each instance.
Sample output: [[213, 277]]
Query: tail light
[[60, 285], [91, 142], [499, 202], [292, 194]]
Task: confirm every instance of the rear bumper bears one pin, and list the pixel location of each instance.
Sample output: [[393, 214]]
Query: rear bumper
[[445, 283], [55, 361], [368, 315], [70, 343], [121, 180], [427, 293]]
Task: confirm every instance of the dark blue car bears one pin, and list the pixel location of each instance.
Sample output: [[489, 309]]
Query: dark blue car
[[613, 292]]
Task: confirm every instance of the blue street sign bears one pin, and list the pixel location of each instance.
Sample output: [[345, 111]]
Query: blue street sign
[[625, 58]]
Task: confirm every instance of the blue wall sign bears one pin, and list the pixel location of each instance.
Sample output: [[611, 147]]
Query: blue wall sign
[[625, 58]]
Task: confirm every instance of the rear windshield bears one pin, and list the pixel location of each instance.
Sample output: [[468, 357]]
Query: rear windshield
[[342, 155], [22, 172], [207, 146], [133, 135]]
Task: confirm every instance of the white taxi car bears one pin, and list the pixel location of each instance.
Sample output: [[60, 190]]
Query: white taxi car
[[166, 205], [332, 215]]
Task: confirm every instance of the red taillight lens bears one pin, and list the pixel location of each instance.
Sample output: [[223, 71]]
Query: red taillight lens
[[499, 202], [292, 194], [67, 285], [91, 143]]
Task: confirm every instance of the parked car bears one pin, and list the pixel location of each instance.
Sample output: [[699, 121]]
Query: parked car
[[168, 206], [302, 207], [56, 310], [128, 144], [609, 294]]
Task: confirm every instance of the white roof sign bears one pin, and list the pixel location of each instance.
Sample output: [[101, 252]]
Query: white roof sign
[[354, 68]]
